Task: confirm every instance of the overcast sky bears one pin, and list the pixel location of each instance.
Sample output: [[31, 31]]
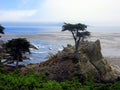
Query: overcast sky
[[93, 12]]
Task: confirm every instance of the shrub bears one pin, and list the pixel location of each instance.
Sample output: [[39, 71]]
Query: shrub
[[32, 81]]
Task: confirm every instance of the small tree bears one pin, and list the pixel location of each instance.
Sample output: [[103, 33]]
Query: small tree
[[78, 31], [16, 48], [2, 32], [2, 29]]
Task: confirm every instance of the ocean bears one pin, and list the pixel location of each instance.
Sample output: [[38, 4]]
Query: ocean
[[46, 29], [30, 30], [46, 45]]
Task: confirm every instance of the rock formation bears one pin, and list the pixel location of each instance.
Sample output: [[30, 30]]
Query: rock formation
[[67, 64], [107, 72]]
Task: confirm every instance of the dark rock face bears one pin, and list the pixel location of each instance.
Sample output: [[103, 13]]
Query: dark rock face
[[67, 64]]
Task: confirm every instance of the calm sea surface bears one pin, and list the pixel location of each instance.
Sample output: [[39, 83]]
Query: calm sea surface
[[30, 30], [42, 29]]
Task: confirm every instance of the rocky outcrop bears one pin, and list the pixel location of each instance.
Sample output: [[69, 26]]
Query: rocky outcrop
[[107, 72], [67, 64], [33, 46]]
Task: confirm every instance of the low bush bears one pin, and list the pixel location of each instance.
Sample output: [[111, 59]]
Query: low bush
[[32, 81]]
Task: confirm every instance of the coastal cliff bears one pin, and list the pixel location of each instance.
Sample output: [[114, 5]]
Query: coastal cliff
[[66, 64]]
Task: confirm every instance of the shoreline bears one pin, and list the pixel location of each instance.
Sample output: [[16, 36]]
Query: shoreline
[[110, 42]]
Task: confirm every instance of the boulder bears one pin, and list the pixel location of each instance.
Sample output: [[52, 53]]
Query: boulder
[[34, 46]]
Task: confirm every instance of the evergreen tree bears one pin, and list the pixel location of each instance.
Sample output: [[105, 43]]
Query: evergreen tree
[[16, 48], [78, 31]]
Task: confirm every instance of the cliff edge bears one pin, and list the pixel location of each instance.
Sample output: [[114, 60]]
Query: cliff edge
[[66, 64]]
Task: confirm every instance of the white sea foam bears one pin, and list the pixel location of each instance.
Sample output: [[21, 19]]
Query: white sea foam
[[38, 52], [60, 49]]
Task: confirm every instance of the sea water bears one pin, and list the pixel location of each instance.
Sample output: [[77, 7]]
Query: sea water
[[46, 47]]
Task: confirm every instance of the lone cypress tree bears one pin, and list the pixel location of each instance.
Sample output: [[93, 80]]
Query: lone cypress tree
[[78, 31]]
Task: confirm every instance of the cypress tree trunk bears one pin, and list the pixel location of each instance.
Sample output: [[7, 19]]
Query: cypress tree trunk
[[76, 48], [19, 57], [17, 61], [77, 45]]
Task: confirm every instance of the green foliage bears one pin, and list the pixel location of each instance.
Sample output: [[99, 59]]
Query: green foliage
[[2, 29], [16, 48], [1, 66], [15, 82], [32, 81], [52, 85], [78, 31], [116, 85], [18, 45], [72, 27]]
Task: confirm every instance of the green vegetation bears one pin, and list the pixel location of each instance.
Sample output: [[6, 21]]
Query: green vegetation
[[16, 48], [1, 29], [32, 81], [78, 31]]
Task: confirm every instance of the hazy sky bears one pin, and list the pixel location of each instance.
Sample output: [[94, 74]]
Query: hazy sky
[[93, 12]]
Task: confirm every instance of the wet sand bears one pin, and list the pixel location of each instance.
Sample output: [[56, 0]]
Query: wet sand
[[110, 42]]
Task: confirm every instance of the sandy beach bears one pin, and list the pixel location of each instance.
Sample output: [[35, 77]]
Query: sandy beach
[[110, 42]]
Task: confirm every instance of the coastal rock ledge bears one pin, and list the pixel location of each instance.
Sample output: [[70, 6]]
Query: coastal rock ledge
[[66, 64]]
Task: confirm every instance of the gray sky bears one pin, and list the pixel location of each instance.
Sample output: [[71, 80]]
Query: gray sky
[[93, 12]]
